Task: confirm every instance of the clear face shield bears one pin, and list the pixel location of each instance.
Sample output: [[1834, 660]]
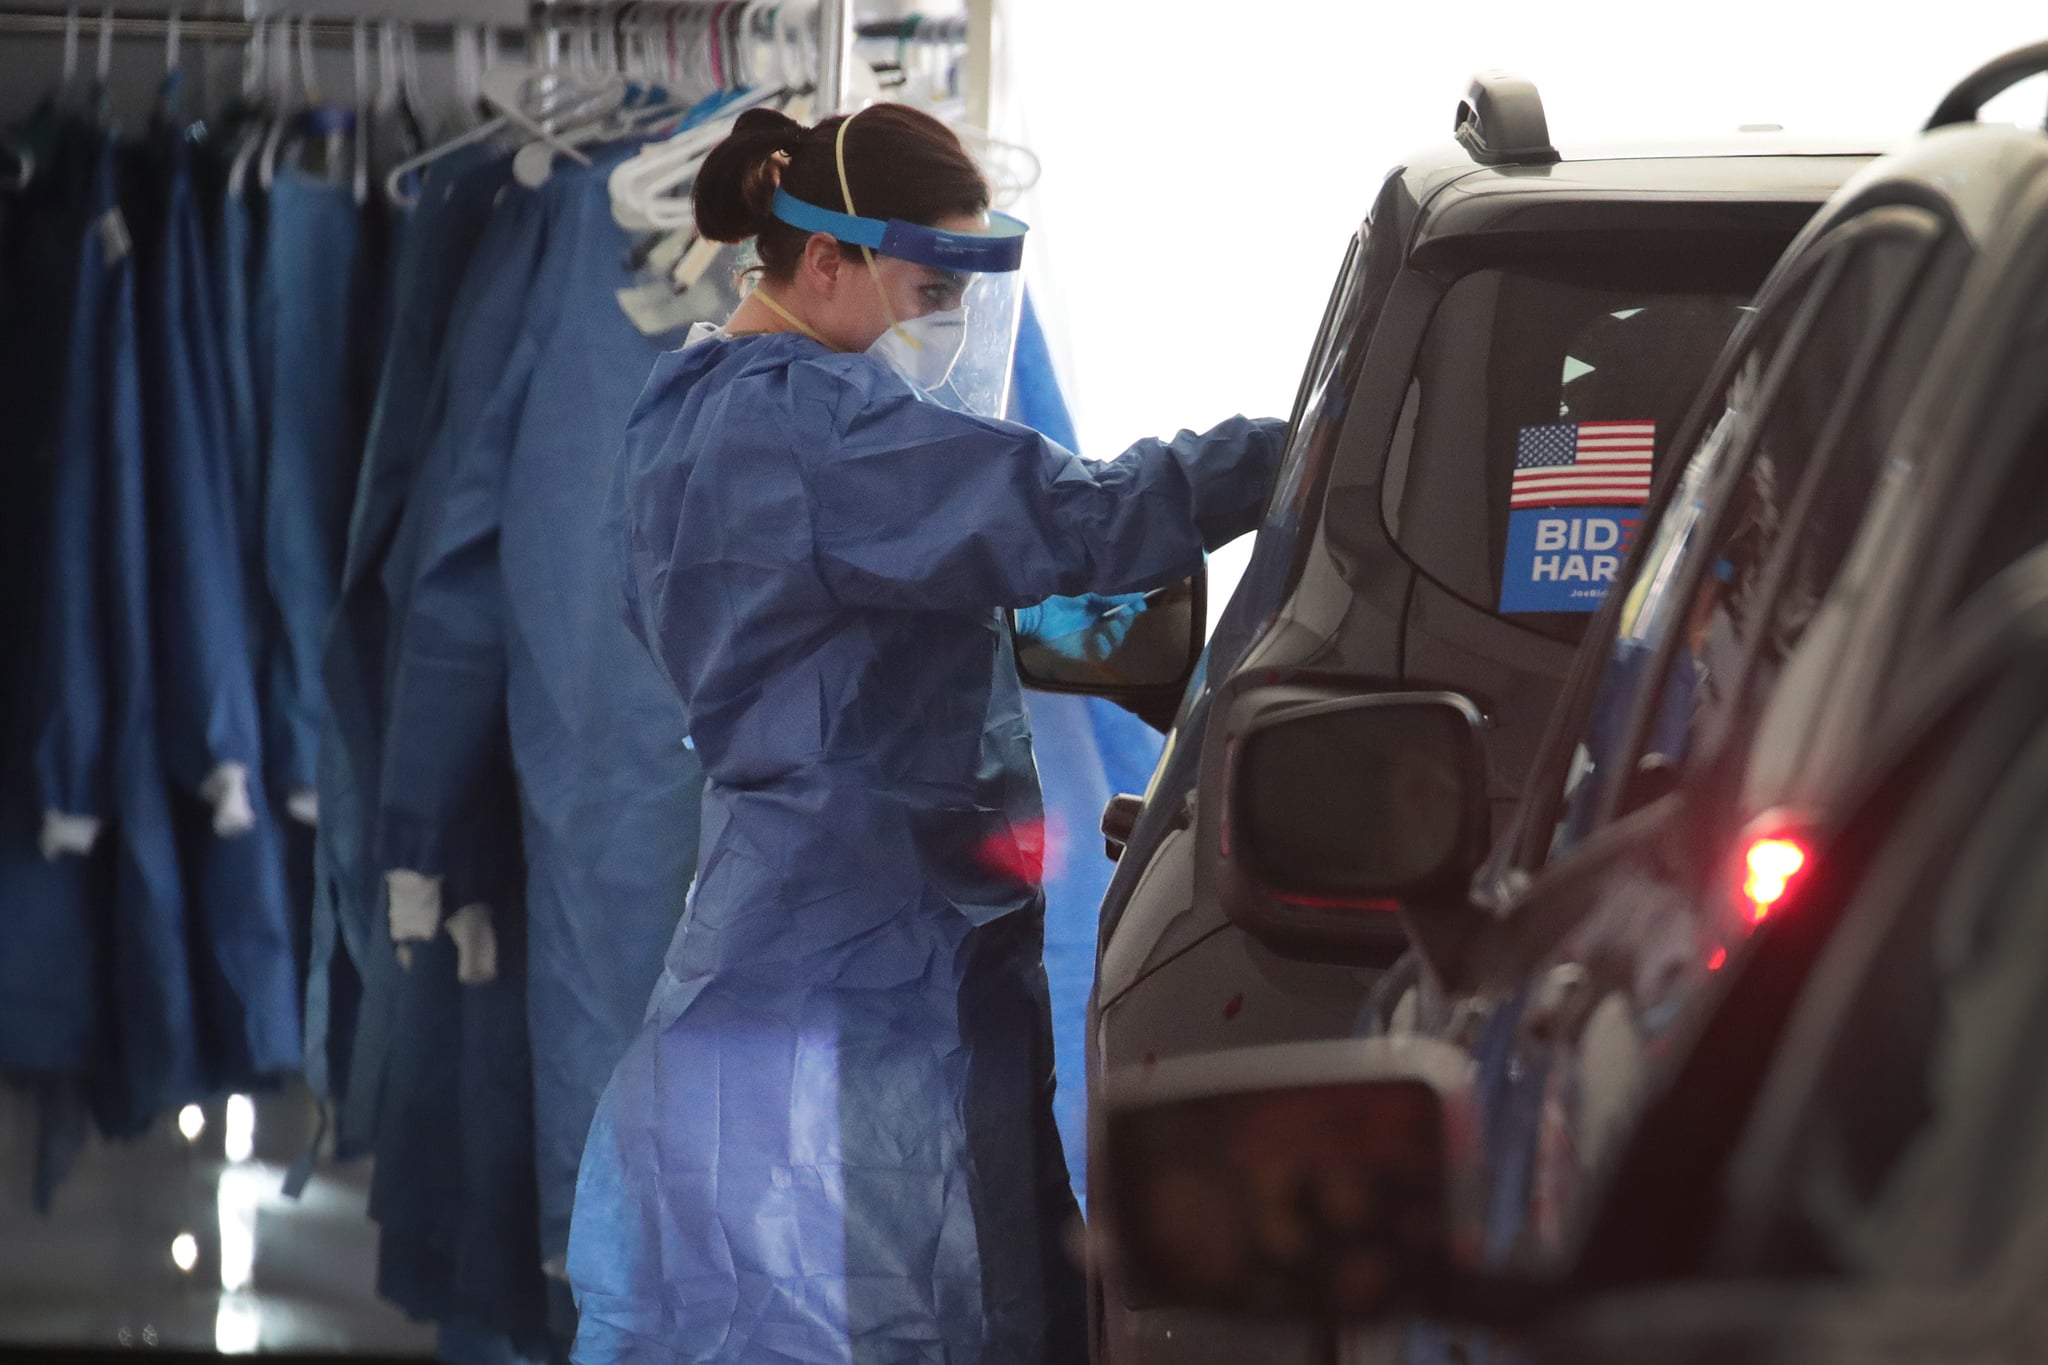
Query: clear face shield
[[962, 352], [962, 356]]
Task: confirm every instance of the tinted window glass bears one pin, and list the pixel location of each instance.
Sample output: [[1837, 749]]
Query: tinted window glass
[[1652, 601], [1813, 429], [1565, 380], [2017, 519], [1319, 405], [1840, 498]]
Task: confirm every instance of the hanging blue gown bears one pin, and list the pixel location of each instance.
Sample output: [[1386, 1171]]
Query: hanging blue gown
[[448, 1093], [49, 1004], [151, 1059], [209, 725], [511, 628], [827, 1143]]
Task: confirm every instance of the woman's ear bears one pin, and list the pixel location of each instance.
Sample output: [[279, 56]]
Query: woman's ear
[[823, 262]]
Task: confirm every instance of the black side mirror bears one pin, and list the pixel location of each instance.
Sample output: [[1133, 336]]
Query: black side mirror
[[1326, 1180], [1337, 809], [1138, 653], [1119, 821]]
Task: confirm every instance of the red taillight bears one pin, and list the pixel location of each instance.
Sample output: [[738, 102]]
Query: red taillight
[[1769, 867]]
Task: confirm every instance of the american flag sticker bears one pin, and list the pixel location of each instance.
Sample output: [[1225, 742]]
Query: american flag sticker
[[1583, 464], [1578, 493]]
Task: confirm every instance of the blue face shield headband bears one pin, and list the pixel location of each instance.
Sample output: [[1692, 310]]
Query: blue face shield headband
[[1000, 250]]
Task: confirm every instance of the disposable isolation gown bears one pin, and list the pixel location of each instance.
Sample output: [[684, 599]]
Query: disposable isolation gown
[[151, 1057], [234, 281], [48, 1000], [453, 211], [310, 315], [829, 1142], [449, 1093], [209, 725], [507, 628]]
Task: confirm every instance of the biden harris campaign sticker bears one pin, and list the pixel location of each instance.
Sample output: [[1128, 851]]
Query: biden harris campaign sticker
[[1579, 490]]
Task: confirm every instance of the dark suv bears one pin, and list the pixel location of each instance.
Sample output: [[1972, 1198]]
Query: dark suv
[[1511, 346], [1860, 506]]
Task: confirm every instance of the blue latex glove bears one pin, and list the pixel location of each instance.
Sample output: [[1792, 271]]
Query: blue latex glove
[[1087, 627]]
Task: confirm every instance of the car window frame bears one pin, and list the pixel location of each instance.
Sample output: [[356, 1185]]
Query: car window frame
[[2015, 316], [1935, 236], [1809, 285], [1344, 308], [1938, 843], [1433, 284], [1804, 280]]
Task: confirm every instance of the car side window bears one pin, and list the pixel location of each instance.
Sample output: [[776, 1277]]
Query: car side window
[[1788, 519], [1840, 495], [1701, 598], [1319, 404], [1646, 605], [2016, 518]]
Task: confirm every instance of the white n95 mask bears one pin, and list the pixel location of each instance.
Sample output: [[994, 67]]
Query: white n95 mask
[[924, 350]]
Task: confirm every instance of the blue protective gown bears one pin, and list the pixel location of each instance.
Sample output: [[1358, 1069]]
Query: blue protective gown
[[48, 1001], [209, 725], [454, 209], [151, 1059], [829, 1141], [448, 1095], [507, 630], [234, 280], [309, 325]]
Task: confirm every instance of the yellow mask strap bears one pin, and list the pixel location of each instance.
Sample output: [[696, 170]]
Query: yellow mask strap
[[792, 319], [874, 271]]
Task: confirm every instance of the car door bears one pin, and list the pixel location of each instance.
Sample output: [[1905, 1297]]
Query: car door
[[1623, 848], [1904, 1134]]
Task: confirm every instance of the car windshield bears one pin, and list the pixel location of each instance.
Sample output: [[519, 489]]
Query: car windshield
[[1545, 397]]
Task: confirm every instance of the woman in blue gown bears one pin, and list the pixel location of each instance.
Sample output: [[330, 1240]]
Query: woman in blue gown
[[833, 1138]]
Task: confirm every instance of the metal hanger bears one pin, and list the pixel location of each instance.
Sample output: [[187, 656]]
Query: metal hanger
[[103, 87], [281, 110], [258, 87], [471, 88], [359, 42], [313, 98], [414, 103], [71, 25]]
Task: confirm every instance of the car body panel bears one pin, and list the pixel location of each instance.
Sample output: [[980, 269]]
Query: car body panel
[[1329, 588], [1639, 909]]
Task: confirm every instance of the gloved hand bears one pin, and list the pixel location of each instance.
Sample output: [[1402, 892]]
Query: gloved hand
[[1087, 627]]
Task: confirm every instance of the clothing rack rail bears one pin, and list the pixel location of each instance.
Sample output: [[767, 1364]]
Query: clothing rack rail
[[918, 30], [200, 29], [836, 28]]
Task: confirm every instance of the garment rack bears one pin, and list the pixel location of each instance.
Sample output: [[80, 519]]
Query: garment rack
[[836, 25], [201, 29], [836, 19]]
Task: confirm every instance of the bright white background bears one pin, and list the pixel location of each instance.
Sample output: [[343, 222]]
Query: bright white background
[[1205, 162]]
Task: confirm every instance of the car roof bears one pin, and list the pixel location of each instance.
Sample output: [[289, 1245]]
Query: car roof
[[1442, 193], [1975, 171]]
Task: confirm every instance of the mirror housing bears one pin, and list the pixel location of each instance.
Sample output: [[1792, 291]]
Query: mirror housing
[[1119, 821], [1334, 808], [1142, 662], [1330, 1180]]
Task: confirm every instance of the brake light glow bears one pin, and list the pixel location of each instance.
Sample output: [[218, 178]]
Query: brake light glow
[[1769, 866]]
